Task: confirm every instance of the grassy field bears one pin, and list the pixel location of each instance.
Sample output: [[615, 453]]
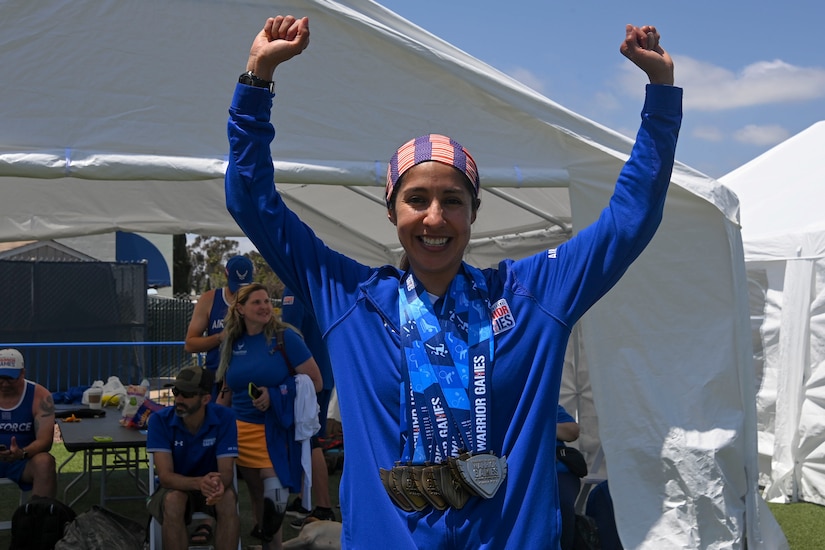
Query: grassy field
[[802, 523]]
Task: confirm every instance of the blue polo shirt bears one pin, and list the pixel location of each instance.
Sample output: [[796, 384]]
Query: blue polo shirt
[[194, 454]]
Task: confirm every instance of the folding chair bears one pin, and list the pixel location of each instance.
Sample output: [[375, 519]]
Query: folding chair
[[24, 496], [155, 538], [590, 480]]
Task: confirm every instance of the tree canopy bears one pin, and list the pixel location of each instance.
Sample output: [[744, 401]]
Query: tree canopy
[[208, 257]]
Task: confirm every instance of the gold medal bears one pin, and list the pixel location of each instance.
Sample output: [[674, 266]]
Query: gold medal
[[406, 476], [397, 496], [450, 487], [425, 480]]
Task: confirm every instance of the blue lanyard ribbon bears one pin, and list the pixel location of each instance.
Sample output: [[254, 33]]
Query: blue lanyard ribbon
[[448, 356]]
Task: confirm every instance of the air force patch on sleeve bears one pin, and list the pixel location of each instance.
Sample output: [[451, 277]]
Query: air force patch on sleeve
[[503, 319]]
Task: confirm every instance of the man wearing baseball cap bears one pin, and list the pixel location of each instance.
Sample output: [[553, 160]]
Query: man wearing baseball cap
[[206, 326], [194, 445], [26, 428]]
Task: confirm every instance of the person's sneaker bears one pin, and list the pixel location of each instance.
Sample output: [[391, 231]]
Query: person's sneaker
[[296, 510], [318, 514]]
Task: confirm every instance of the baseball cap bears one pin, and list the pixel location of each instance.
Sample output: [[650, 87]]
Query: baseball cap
[[194, 379], [11, 363], [239, 271]]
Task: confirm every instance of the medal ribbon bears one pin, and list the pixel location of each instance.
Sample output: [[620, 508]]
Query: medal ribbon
[[447, 357]]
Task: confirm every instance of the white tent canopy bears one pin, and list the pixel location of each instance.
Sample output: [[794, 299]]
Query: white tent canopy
[[114, 118], [783, 230]]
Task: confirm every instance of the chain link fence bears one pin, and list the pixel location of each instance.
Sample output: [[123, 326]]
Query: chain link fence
[[77, 322]]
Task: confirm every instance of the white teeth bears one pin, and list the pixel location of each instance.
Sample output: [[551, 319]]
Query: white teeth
[[429, 241]]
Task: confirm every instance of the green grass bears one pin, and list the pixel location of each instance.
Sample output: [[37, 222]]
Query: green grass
[[119, 483], [803, 524]]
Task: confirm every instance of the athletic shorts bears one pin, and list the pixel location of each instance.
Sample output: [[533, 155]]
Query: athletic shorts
[[14, 471], [252, 452], [195, 503]]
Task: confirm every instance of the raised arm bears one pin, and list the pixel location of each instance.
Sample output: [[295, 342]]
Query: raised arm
[[591, 263], [641, 46], [319, 276], [282, 38]]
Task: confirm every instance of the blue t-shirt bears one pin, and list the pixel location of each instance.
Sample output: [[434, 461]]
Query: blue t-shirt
[[194, 454], [260, 362], [563, 417], [294, 313]]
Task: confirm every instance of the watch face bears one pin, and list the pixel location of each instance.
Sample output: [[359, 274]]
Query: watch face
[[251, 80]]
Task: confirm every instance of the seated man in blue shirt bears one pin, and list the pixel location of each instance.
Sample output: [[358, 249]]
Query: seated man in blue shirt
[[194, 444]]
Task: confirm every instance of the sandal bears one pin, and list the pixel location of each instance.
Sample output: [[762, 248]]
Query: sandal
[[201, 535]]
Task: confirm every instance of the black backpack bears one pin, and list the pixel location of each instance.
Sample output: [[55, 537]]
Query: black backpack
[[587, 534], [39, 524]]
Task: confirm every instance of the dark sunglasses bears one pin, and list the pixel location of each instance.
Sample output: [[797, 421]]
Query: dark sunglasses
[[185, 394], [8, 379]]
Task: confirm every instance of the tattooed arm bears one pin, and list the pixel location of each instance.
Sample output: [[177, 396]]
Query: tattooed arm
[[43, 412]]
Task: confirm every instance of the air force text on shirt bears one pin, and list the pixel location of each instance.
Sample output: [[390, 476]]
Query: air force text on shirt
[[18, 427]]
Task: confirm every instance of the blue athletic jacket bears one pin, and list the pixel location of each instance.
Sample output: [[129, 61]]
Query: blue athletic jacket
[[356, 308]]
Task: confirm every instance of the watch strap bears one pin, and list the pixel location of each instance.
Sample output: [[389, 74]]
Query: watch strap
[[250, 79]]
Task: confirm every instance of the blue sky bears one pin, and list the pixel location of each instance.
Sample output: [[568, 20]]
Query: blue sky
[[753, 72]]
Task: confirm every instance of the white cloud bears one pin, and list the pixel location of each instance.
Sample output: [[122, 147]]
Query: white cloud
[[708, 133], [709, 87], [761, 135], [713, 88]]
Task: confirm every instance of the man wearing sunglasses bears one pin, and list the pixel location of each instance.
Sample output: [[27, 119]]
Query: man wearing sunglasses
[[26, 428], [194, 444]]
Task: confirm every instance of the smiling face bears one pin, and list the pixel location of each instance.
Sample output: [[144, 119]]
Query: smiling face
[[433, 212], [256, 311]]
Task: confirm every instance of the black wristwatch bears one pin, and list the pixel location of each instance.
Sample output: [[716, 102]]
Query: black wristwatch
[[25, 454], [250, 79]]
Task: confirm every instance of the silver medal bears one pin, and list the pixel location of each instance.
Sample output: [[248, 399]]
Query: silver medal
[[484, 473]]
